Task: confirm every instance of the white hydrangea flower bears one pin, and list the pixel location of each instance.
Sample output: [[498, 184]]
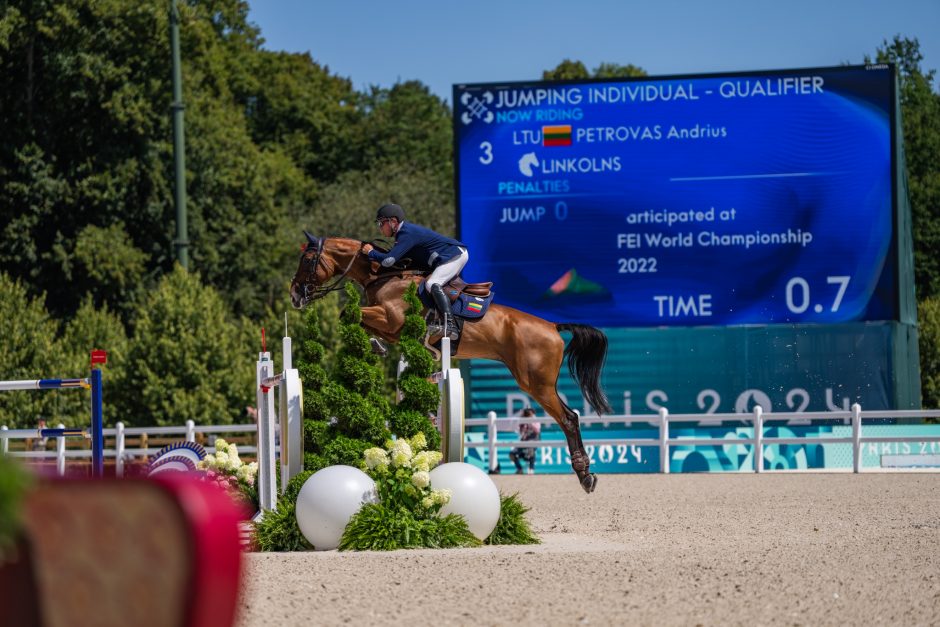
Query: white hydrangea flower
[[402, 446], [427, 502], [375, 457], [221, 459], [441, 497], [243, 474], [401, 454], [221, 445], [419, 442], [434, 458], [421, 479], [420, 462]]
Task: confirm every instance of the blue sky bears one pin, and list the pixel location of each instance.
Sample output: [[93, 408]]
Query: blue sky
[[441, 42]]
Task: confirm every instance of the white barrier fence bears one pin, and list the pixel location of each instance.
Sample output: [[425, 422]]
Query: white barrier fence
[[758, 418], [855, 417], [120, 453]]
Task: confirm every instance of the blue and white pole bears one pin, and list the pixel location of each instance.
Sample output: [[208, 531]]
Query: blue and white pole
[[97, 426]]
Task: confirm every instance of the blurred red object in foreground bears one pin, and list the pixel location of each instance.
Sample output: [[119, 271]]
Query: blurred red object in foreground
[[158, 551]]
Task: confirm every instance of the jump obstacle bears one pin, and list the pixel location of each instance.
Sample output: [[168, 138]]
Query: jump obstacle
[[451, 412], [96, 432], [290, 410]]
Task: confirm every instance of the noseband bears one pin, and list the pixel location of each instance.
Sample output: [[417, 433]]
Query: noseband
[[313, 290]]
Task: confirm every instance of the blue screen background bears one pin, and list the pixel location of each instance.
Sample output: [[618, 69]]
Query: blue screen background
[[816, 163]]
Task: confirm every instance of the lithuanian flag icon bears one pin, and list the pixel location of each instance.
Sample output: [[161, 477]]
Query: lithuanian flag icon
[[556, 135]]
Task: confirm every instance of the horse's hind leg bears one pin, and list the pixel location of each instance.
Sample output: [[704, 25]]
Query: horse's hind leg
[[547, 396]]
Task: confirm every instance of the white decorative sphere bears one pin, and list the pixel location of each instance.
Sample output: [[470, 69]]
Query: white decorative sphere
[[473, 495], [328, 499]]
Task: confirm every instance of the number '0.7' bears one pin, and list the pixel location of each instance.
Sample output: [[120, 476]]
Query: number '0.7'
[[799, 299]]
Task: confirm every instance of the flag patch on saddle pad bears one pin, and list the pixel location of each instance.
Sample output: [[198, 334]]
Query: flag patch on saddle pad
[[475, 307]]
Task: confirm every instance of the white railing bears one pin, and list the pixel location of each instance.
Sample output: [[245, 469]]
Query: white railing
[[120, 453], [855, 417]]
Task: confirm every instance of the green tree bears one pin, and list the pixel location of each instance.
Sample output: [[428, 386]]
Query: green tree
[[31, 351], [293, 104], [576, 70], [565, 71], [420, 397], [105, 265], [615, 70], [102, 329], [407, 124], [345, 412], [347, 207], [928, 316], [187, 358], [84, 101], [920, 113]]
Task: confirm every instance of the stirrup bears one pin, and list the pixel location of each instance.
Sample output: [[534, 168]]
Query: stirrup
[[378, 347], [438, 328]]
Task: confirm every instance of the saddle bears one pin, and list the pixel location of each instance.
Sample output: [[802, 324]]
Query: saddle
[[458, 285]]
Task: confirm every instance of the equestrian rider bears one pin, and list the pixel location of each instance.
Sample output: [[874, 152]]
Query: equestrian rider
[[444, 256]]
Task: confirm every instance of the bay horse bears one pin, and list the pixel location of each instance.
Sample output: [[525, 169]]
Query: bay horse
[[532, 348]]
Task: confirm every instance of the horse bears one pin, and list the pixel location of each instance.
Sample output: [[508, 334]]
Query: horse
[[532, 348]]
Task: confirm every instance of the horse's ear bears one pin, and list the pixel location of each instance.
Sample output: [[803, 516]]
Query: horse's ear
[[312, 239]]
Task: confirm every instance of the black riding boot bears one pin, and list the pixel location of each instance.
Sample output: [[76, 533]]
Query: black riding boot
[[443, 310]]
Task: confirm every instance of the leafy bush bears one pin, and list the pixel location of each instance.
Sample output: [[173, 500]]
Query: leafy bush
[[14, 482], [512, 527], [278, 529], [928, 316]]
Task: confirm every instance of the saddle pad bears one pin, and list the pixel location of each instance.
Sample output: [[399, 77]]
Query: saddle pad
[[466, 306]]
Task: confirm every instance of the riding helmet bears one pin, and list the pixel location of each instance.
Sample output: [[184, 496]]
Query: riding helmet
[[390, 211]]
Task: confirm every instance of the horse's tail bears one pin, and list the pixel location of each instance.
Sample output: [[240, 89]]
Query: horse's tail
[[586, 355]]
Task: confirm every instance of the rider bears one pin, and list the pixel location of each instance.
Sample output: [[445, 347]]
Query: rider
[[445, 256]]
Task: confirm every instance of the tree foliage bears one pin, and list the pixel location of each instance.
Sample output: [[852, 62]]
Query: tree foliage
[[928, 316], [569, 70], [920, 113], [187, 358]]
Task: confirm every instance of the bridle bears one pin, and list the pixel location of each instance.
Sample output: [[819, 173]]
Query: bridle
[[313, 290]]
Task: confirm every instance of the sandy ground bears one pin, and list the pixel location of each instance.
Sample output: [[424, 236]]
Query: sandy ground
[[702, 549]]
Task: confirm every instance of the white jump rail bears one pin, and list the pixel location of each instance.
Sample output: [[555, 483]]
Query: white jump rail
[[758, 418]]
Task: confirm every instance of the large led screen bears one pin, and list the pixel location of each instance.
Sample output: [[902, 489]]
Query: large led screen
[[699, 200]]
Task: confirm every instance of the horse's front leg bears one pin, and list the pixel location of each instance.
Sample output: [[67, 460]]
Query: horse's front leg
[[378, 320]]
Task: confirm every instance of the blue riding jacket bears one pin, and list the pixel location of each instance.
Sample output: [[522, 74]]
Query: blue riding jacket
[[425, 247]]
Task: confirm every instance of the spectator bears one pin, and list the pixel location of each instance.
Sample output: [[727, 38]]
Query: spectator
[[528, 430], [39, 444]]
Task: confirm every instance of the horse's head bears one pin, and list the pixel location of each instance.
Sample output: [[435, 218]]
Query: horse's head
[[323, 260]]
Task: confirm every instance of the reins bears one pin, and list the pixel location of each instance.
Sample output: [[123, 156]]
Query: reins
[[314, 292]]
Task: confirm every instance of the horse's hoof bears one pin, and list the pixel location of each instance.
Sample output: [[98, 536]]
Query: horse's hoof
[[589, 483]]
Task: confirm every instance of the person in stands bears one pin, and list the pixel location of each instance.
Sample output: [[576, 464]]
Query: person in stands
[[528, 430], [444, 256]]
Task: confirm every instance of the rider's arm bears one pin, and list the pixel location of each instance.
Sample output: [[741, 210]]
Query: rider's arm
[[402, 246]]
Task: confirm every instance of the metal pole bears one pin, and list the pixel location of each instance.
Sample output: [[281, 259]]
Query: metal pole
[[663, 440], [856, 437], [758, 438], [179, 151], [119, 445], [97, 426]]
